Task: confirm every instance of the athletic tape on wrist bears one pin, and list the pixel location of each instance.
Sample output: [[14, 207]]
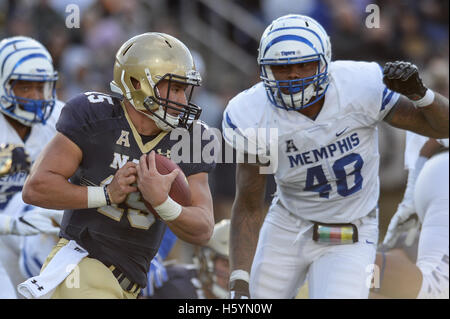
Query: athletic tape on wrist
[[426, 100], [96, 196], [240, 274], [169, 210]]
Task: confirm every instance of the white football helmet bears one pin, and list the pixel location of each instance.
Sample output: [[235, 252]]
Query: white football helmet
[[23, 58], [293, 39]]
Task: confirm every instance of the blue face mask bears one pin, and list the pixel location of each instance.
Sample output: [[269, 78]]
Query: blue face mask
[[281, 92], [40, 109]]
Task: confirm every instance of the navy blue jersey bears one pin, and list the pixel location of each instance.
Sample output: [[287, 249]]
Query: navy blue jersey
[[125, 235]]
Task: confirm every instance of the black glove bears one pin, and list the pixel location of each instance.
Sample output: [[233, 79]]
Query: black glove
[[403, 77], [239, 289], [13, 158]]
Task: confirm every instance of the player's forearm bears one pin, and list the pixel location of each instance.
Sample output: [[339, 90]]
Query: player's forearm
[[53, 191], [194, 225], [245, 226], [437, 115], [247, 216]]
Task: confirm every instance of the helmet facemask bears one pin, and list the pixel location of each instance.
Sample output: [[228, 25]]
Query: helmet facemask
[[295, 94], [30, 111], [214, 280], [187, 113]]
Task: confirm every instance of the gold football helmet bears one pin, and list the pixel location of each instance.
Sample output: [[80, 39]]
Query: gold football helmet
[[145, 60], [212, 261]]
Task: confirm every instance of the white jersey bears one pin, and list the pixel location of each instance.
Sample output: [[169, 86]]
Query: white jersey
[[39, 136], [431, 198], [327, 167]]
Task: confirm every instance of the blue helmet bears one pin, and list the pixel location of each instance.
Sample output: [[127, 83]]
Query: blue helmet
[[294, 39], [23, 58]]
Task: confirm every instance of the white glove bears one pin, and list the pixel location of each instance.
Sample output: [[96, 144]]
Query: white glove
[[157, 274], [404, 220], [32, 222]]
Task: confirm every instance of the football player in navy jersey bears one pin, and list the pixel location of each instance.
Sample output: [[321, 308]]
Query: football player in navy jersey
[[98, 168]]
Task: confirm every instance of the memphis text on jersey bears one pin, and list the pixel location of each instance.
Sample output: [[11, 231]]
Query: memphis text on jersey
[[312, 156]]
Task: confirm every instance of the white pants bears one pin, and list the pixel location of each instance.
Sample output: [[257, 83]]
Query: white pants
[[286, 255], [10, 251], [431, 201], [7, 290]]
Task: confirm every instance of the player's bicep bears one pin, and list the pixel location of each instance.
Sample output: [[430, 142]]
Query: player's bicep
[[405, 115], [61, 156]]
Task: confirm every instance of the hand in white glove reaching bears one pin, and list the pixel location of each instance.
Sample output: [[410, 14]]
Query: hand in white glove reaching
[[157, 274], [32, 222], [405, 219]]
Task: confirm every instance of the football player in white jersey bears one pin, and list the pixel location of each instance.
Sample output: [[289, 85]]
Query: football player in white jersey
[[28, 113], [426, 277], [322, 224], [405, 221]]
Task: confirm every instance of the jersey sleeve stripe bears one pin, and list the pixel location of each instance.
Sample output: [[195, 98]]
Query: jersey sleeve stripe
[[387, 99], [384, 93], [228, 122]]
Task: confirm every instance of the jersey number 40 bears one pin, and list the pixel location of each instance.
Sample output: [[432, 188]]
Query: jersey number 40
[[316, 181]]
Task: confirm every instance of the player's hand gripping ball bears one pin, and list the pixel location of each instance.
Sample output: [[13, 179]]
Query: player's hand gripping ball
[[179, 191]]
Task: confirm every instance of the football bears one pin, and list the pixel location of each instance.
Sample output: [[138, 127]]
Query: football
[[180, 191]]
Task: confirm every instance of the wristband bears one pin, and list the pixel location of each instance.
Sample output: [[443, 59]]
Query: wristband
[[107, 197], [426, 100], [169, 210], [239, 274], [96, 196]]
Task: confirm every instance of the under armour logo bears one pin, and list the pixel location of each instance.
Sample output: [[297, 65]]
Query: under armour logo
[[34, 282], [78, 249]]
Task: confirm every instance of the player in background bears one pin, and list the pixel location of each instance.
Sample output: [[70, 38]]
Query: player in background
[[323, 221], [207, 277], [28, 114], [102, 145], [424, 274]]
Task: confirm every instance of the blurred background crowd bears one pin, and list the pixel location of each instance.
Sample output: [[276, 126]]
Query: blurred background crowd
[[224, 37]]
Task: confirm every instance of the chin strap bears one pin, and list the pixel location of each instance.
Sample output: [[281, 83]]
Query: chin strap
[[160, 123]]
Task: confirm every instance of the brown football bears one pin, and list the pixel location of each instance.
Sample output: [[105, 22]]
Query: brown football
[[180, 191]]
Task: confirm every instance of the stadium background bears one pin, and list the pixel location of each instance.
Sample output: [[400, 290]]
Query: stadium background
[[224, 36]]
